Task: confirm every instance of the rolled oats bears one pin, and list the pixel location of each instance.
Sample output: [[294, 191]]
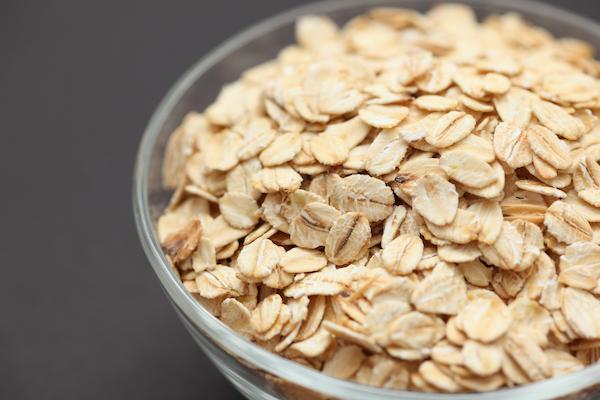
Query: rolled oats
[[283, 149], [329, 149], [482, 359], [436, 103], [485, 319], [436, 199], [467, 169], [315, 313], [529, 356], [490, 220], [481, 384], [558, 120], [450, 129], [514, 106], [257, 134], [276, 179], [345, 362], [475, 145], [476, 273], [463, 229], [258, 259], [392, 225], [564, 223], [411, 201], [537, 187], [580, 266], [475, 105], [220, 281], [383, 116], [580, 310], [239, 179], [311, 228], [441, 292], [181, 244], [517, 246], [513, 372], [313, 346], [438, 78], [546, 145], [352, 336], [562, 362], [237, 317], [348, 239], [459, 253], [416, 330], [239, 209], [401, 255], [298, 260], [511, 145], [326, 282], [492, 191], [413, 131], [204, 257], [446, 353], [385, 153], [363, 194], [531, 319], [434, 376]]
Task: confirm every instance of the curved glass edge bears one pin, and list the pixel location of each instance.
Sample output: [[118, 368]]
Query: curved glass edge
[[206, 323]]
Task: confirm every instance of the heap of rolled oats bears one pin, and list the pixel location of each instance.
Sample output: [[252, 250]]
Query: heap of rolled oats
[[411, 202]]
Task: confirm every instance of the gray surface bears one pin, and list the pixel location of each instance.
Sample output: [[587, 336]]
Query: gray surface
[[82, 315]]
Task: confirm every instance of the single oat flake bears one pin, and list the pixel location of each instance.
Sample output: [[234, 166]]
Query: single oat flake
[[409, 201]]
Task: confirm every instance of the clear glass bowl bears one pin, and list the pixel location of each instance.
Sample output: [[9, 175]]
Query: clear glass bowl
[[257, 373]]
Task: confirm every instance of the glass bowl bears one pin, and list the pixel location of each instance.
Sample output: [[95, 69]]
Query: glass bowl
[[255, 372]]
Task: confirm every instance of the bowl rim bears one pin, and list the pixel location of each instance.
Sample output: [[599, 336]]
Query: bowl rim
[[226, 338]]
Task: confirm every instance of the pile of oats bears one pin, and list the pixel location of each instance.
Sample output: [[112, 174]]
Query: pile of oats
[[410, 202]]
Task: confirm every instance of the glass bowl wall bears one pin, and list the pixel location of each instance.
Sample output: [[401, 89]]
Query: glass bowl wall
[[257, 373]]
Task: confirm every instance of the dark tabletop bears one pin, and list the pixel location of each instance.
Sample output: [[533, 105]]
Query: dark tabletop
[[82, 315]]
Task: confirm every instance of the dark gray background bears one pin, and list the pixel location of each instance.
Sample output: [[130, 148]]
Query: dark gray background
[[81, 314]]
